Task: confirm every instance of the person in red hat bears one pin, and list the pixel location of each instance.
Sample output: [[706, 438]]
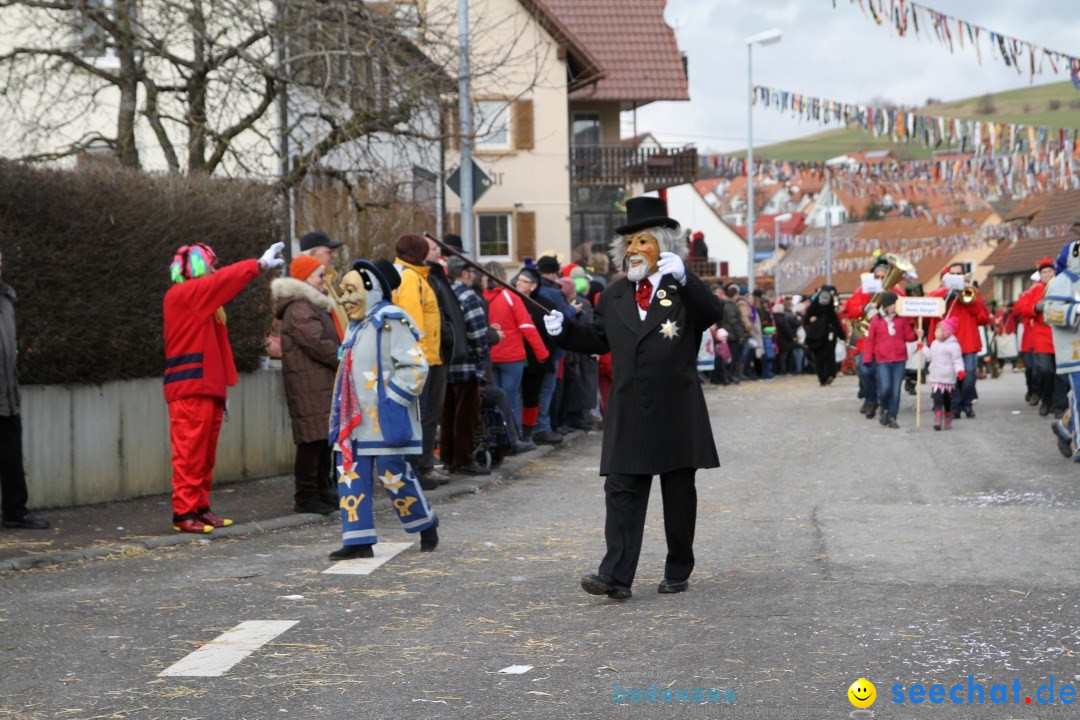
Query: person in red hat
[[198, 369], [970, 316], [1039, 337], [309, 362]]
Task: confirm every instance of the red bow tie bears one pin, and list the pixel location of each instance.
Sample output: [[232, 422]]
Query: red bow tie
[[643, 294]]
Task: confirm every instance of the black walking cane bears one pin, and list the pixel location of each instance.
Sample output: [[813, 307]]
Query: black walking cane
[[527, 300]]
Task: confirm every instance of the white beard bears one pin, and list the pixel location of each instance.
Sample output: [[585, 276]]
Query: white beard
[[636, 273]]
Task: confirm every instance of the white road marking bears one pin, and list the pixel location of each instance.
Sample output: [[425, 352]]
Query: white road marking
[[216, 657], [364, 566]]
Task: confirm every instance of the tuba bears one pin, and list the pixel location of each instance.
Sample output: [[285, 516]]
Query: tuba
[[341, 320], [898, 268]]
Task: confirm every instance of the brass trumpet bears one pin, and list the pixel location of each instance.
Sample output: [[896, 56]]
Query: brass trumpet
[[898, 268]]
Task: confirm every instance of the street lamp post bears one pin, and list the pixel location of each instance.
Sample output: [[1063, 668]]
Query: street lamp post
[[768, 37], [776, 251]]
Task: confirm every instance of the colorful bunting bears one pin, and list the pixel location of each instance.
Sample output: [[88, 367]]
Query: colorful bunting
[[906, 18]]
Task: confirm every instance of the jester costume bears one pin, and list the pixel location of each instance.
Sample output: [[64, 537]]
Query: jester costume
[[1061, 311], [382, 362], [198, 369]]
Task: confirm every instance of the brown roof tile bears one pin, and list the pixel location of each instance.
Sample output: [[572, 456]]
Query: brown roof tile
[[633, 44], [1023, 255]]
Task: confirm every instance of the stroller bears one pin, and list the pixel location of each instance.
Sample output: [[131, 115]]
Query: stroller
[[494, 434]]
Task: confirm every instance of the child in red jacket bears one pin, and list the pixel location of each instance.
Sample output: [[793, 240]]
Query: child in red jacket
[[886, 347], [198, 368]]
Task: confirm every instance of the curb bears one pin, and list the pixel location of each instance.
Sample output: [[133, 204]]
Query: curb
[[508, 470]]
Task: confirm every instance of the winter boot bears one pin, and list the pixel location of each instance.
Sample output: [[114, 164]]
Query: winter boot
[[948, 421], [937, 419]]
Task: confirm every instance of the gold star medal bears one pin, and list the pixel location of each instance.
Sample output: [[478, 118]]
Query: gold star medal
[[669, 329]]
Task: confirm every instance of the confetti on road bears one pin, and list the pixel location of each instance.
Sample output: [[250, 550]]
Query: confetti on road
[[216, 657], [365, 566], [516, 670]]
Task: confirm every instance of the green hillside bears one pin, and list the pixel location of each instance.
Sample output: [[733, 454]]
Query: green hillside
[[1029, 106]]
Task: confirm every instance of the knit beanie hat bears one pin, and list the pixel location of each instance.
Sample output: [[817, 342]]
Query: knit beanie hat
[[949, 325], [888, 298], [302, 266]]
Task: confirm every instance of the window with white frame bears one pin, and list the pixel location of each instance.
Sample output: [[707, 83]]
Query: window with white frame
[[492, 125], [493, 235]]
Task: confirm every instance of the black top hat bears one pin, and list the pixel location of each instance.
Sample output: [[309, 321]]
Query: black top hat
[[317, 238], [384, 271], [645, 212]]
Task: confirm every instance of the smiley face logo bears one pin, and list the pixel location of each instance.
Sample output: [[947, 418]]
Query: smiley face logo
[[862, 693]]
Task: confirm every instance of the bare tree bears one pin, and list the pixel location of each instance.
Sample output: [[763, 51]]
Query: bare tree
[[192, 85]]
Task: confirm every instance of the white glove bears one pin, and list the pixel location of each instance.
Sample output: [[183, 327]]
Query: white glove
[[270, 258], [553, 322], [673, 265]]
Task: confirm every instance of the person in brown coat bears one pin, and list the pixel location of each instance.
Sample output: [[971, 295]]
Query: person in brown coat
[[309, 346]]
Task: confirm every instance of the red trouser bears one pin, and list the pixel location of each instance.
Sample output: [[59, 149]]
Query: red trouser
[[194, 425]]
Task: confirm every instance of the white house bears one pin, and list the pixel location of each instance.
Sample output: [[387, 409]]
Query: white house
[[725, 247]]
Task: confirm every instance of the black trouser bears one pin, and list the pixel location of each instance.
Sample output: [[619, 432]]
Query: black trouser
[[1045, 372], [312, 473], [943, 400], [461, 415], [13, 495], [825, 361], [432, 398], [627, 500]]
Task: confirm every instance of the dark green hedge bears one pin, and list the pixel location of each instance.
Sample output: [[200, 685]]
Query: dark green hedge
[[88, 253]]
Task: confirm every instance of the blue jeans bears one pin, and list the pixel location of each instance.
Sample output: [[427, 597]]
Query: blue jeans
[[797, 354], [508, 377], [890, 379], [547, 391], [867, 380], [966, 391]]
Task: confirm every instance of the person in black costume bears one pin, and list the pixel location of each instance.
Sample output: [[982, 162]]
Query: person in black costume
[[823, 329]]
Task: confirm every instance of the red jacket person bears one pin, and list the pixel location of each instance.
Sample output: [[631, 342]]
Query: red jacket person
[[657, 422], [198, 368]]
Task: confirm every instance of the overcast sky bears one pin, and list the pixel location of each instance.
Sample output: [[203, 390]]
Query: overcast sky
[[836, 54]]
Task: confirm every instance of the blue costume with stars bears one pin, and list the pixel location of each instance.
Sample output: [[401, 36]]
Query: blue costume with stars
[[382, 349]]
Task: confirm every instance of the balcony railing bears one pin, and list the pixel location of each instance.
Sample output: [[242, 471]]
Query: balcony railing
[[655, 166]]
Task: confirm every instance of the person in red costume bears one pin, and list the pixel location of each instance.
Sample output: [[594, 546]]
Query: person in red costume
[[198, 368], [969, 316], [854, 310], [1039, 338]]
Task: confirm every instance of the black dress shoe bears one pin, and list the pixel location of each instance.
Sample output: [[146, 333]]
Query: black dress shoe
[[317, 506], [28, 521], [673, 586], [970, 412], [600, 584], [429, 539], [353, 551]]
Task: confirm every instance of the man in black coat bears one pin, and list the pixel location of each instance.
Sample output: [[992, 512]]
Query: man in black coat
[[657, 423]]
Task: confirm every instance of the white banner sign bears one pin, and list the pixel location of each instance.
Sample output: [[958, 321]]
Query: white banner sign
[[920, 306]]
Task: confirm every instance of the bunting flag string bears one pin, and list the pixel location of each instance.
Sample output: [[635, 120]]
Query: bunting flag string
[[906, 18], [1005, 176], [905, 126], [914, 250]]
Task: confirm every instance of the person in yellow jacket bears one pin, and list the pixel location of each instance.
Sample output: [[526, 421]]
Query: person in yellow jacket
[[416, 297]]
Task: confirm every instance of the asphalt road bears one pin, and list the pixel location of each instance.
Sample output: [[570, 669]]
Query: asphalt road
[[829, 549]]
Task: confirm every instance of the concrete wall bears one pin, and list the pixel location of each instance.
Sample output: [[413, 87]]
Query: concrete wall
[[87, 443]]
